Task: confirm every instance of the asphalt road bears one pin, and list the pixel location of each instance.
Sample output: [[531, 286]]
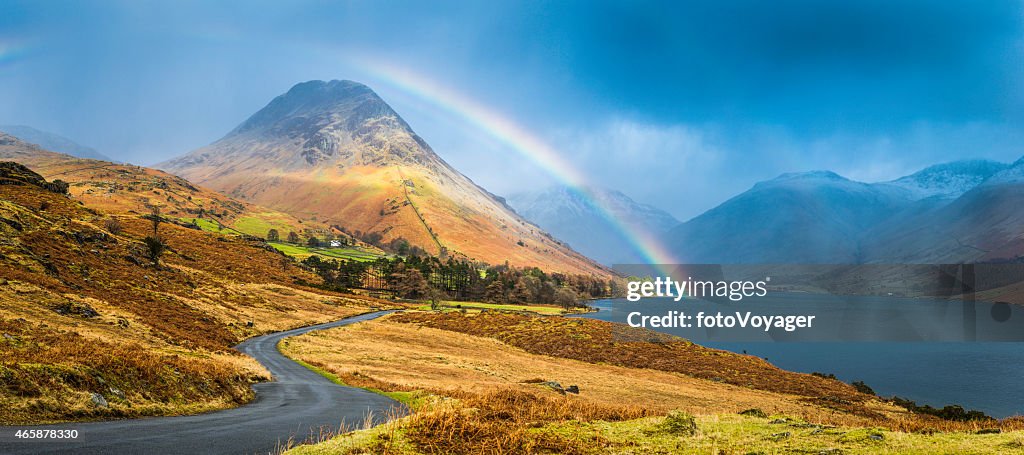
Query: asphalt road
[[295, 405]]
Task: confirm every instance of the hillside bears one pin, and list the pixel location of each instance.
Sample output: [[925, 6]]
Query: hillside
[[336, 153], [92, 327], [580, 219], [122, 189], [983, 224]]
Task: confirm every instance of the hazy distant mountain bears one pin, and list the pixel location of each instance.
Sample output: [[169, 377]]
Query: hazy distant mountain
[[578, 218], [948, 180], [948, 213], [812, 217], [336, 152], [52, 142]]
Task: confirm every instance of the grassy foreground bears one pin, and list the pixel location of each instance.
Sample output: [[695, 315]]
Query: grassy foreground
[[91, 327], [711, 434], [483, 384]]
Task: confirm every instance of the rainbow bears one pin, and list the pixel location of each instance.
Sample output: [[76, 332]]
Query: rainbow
[[519, 139]]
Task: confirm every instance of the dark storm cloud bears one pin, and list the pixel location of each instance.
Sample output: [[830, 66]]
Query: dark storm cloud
[[869, 64]]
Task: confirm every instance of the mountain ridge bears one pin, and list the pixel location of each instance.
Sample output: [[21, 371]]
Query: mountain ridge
[[948, 180], [823, 217]]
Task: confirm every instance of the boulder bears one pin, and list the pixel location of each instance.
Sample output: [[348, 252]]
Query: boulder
[[554, 386], [98, 400], [754, 412]]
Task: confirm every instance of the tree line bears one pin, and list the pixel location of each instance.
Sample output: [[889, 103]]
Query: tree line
[[429, 277]]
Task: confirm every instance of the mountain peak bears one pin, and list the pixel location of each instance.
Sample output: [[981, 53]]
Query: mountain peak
[[804, 179], [820, 174], [320, 124], [314, 104]]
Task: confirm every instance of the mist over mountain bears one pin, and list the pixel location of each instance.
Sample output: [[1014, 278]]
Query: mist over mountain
[[337, 153], [962, 211], [579, 218], [53, 142]]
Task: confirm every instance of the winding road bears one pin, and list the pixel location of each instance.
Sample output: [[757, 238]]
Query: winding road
[[295, 405]]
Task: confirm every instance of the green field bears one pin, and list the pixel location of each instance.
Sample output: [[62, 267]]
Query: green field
[[539, 309], [204, 224], [262, 223], [302, 252], [253, 226]]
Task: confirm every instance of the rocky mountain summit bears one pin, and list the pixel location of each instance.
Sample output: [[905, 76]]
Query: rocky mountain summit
[[335, 152]]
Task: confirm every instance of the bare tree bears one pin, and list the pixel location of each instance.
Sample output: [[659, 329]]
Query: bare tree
[[155, 218], [113, 226]]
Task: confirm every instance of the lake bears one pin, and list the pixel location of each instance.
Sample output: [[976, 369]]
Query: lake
[[987, 376]]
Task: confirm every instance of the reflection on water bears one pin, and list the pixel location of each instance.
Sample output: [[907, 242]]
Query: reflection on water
[[986, 376]]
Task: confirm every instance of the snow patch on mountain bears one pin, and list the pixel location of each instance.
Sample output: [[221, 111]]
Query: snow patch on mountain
[[947, 180]]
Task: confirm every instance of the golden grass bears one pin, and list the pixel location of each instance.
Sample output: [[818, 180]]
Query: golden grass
[[392, 356], [486, 400], [504, 422], [715, 434], [50, 375], [121, 189], [604, 342], [374, 199], [83, 311]]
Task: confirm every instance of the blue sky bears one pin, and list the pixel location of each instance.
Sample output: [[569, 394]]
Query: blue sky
[[678, 104]]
